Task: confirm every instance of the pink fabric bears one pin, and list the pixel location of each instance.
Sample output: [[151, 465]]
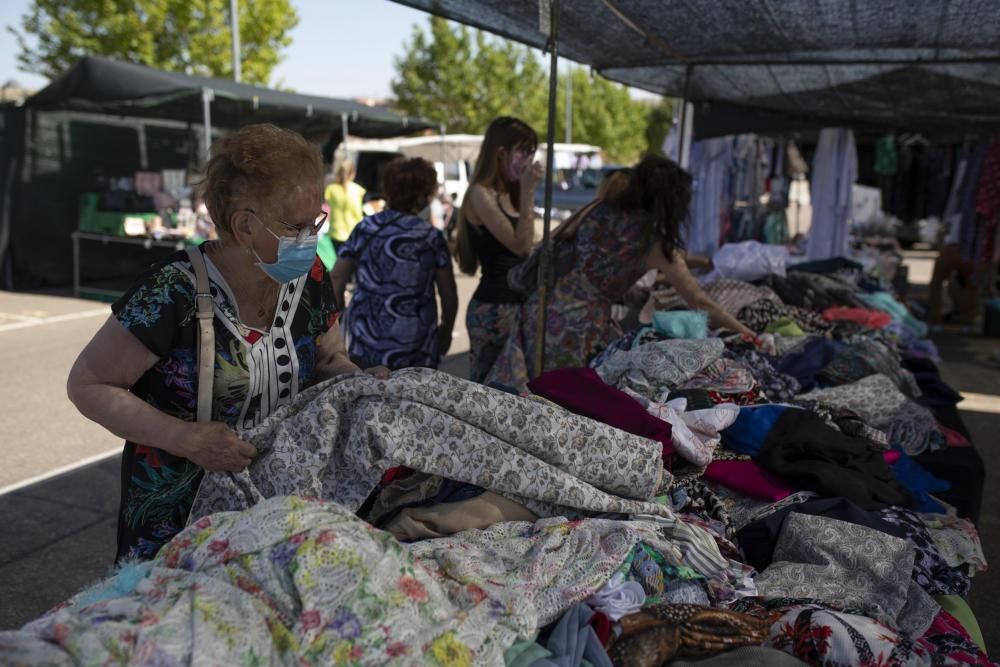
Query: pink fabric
[[873, 319], [942, 632], [953, 438], [891, 456], [748, 478], [582, 391]]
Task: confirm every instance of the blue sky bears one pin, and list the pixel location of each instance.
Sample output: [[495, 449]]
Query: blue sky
[[341, 48]]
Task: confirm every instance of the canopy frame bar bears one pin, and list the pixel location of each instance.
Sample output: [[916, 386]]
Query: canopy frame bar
[[544, 273]]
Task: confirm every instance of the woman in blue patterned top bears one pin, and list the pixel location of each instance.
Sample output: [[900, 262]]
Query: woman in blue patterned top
[[399, 259]]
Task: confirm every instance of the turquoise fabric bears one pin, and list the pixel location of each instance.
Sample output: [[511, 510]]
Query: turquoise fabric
[[681, 323], [525, 653], [887, 303]]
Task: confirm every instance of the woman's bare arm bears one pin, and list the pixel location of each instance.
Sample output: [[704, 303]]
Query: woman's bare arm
[[677, 274]]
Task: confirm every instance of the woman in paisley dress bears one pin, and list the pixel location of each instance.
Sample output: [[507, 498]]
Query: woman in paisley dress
[[632, 228], [275, 333], [399, 259]]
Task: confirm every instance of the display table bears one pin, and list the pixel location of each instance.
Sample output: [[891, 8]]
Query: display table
[[144, 241]]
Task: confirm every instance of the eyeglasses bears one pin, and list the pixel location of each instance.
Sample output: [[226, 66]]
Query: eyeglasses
[[301, 231]]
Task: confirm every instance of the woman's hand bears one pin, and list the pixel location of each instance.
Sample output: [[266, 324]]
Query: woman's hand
[[444, 340], [530, 178], [379, 372], [212, 445]]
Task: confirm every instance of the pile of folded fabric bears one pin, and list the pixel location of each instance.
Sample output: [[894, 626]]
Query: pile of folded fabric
[[802, 497]]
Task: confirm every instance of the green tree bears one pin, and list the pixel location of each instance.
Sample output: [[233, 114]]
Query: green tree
[[604, 114], [658, 122], [465, 79], [191, 36]]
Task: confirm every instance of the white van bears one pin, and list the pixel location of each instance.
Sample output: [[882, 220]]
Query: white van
[[454, 156]]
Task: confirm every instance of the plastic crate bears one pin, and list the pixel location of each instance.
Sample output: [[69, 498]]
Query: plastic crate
[[111, 223]]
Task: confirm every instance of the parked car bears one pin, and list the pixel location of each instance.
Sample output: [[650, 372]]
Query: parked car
[[571, 190]]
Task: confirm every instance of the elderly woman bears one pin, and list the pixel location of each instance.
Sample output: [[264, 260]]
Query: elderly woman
[[399, 259], [274, 325]]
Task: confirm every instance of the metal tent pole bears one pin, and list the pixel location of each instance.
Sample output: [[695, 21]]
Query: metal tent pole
[[569, 104], [543, 263], [444, 152], [681, 160], [344, 126], [207, 95], [234, 27]]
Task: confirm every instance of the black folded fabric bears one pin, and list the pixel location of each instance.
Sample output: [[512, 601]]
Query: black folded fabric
[[809, 454], [934, 391]]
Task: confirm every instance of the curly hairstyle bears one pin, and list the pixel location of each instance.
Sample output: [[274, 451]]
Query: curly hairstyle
[[659, 187], [254, 164], [408, 184]]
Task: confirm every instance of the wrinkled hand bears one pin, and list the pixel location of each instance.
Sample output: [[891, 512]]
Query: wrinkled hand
[[213, 446], [531, 177], [379, 372], [444, 341]]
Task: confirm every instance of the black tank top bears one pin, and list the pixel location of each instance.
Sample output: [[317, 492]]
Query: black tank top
[[496, 260]]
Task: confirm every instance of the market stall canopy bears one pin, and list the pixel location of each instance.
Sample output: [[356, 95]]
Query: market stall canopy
[[931, 65], [102, 85]]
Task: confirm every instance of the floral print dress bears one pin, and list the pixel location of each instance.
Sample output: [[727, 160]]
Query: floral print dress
[[255, 373], [610, 259]]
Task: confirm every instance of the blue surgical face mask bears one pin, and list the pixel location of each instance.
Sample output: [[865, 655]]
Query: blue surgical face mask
[[296, 255]]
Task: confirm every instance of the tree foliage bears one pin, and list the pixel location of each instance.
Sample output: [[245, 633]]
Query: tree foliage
[[464, 79], [661, 116], [190, 36]]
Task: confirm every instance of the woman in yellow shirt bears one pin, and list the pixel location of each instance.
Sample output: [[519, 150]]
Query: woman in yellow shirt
[[345, 199]]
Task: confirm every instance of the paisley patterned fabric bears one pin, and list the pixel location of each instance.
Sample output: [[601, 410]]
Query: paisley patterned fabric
[[653, 370], [776, 387], [878, 401], [848, 564], [867, 357], [336, 440]]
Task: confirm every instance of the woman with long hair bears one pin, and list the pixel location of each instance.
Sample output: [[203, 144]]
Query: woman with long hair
[[633, 226], [496, 229]]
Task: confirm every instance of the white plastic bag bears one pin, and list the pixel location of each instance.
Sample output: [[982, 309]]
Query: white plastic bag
[[749, 260]]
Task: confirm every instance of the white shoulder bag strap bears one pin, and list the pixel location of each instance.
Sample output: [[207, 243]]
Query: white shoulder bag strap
[[206, 334]]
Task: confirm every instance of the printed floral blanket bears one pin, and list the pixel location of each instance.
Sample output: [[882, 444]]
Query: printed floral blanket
[[305, 582]]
